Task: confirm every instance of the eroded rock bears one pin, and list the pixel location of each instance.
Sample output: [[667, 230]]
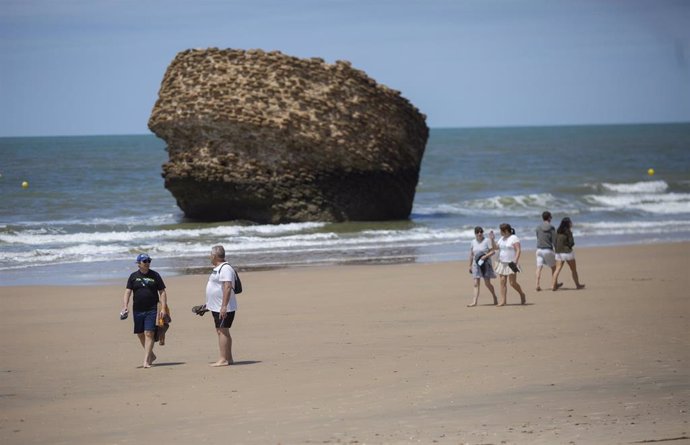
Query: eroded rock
[[271, 138]]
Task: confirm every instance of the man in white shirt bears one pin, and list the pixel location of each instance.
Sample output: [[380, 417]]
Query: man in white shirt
[[221, 301]]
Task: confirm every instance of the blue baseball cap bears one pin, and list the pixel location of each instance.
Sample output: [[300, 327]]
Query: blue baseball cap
[[143, 257]]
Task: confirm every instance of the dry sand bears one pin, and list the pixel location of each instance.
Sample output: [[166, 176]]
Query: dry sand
[[363, 354]]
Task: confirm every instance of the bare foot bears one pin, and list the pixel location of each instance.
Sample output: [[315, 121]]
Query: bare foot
[[559, 285], [500, 304], [472, 305], [580, 286], [538, 289], [146, 365], [220, 363], [523, 299]]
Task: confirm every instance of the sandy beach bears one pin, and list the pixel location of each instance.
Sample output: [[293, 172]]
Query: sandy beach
[[363, 354]]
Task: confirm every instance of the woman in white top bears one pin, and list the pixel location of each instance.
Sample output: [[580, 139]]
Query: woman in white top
[[509, 255], [481, 251]]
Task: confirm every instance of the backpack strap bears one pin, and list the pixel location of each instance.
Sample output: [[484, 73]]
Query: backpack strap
[[227, 264]]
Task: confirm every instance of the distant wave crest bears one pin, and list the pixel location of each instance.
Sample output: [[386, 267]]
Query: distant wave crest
[[637, 187]]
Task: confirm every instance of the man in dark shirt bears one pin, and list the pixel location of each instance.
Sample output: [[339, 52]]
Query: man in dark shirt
[[148, 289]]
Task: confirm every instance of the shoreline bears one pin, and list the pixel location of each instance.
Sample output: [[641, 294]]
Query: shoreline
[[384, 354], [73, 274]]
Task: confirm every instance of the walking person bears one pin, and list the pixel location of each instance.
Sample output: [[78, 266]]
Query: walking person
[[546, 238], [564, 253], [481, 251], [508, 262], [148, 289], [221, 301]]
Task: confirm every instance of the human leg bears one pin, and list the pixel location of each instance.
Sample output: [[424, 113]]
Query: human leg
[[539, 268], [515, 285], [554, 279], [224, 339], [144, 328], [576, 278], [147, 343], [553, 272], [224, 347], [487, 282], [476, 293], [504, 289]]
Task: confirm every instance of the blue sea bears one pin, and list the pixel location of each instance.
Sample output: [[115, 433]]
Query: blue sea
[[94, 202]]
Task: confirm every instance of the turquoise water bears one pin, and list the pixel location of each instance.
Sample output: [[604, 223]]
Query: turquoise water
[[94, 202]]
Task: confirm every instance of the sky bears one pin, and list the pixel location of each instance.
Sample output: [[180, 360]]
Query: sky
[[89, 67]]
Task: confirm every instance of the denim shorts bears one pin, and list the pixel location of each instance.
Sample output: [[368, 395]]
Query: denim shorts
[[145, 321]]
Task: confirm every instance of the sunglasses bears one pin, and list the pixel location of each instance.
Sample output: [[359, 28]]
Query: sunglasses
[[146, 261]]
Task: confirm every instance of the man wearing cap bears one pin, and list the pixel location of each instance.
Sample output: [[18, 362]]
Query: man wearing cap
[[148, 288]]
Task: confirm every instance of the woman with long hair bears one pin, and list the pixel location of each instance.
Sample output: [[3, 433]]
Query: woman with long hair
[[508, 262], [564, 253]]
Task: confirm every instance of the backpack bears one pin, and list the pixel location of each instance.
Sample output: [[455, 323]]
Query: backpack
[[238, 283]]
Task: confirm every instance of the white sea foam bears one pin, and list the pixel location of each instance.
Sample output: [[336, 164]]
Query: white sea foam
[[43, 236], [666, 203], [64, 248], [644, 187], [519, 206], [632, 227]]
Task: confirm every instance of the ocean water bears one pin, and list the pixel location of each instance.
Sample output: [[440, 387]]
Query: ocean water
[[94, 202]]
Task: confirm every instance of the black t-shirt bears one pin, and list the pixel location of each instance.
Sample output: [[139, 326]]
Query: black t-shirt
[[145, 288]]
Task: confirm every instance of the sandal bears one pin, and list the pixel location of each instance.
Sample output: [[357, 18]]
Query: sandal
[[200, 310]]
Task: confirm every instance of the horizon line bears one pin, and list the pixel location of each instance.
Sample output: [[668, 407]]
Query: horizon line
[[476, 127]]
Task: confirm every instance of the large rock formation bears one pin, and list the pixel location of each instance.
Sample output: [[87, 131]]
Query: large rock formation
[[271, 138]]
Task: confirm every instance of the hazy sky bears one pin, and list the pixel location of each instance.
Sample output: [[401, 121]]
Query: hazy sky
[[95, 66]]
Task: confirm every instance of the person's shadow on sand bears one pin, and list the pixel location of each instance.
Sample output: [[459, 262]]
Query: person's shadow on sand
[[241, 363], [156, 365], [246, 362]]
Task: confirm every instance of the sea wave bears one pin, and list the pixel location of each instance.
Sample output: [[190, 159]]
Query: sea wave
[[517, 206], [56, 236], [664, 204], [279, 243], [69, 248], [605, 228], [644, 187]]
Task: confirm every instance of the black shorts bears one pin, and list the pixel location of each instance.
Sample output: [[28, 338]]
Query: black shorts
[[226, 323]]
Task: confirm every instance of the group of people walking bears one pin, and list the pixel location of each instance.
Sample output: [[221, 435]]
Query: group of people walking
[[150, 311], [554, 250]]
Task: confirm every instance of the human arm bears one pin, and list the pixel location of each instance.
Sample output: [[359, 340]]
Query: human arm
[[125, 300], [492, 237], [227, 288], [518, 251], [163, 297]]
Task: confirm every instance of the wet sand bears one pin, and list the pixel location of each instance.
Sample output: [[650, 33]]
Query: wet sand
[[363, 354]]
